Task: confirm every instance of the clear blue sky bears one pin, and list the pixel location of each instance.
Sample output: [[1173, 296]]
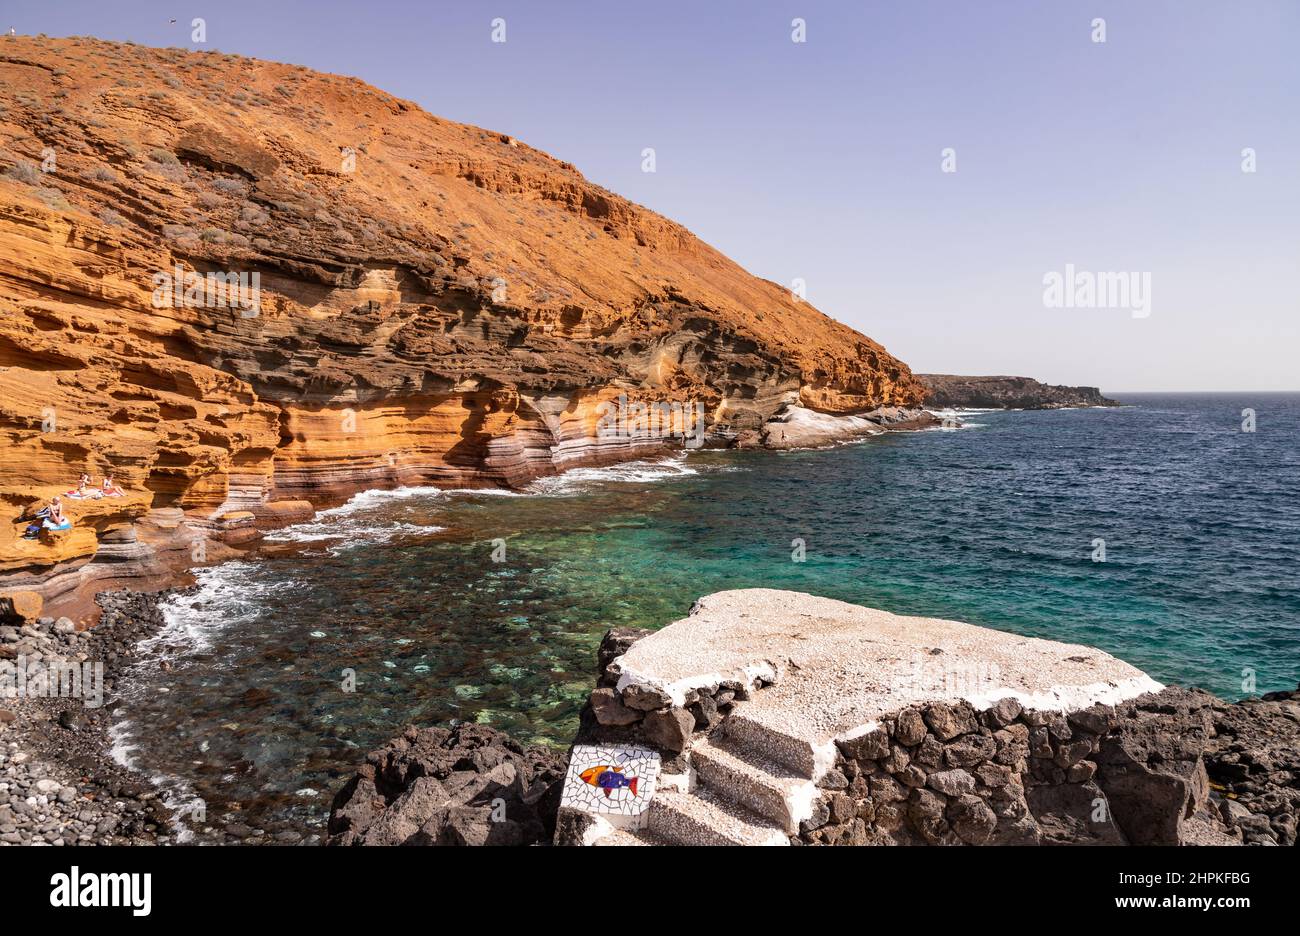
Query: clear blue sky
[[821, 160]]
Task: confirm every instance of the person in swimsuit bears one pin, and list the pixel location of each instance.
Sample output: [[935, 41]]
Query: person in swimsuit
[[55, 519], [110, 489]]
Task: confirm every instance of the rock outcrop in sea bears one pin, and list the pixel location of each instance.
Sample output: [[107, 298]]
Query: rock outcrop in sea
[[244, 288], [946, 391]]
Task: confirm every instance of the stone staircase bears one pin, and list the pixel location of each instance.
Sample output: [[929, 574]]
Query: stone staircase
[[795, 679], [738, 792]]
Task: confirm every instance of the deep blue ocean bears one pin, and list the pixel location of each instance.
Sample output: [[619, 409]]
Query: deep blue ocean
[[1000, 523]]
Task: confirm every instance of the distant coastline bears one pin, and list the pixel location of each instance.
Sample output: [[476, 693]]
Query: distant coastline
[[996, 392]]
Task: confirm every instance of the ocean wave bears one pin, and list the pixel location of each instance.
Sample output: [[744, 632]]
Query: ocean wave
[[223, 594], [966, 410], [360, 532], [175, 792], [366, 500], [355, 523], [488, 492], [577, 480]]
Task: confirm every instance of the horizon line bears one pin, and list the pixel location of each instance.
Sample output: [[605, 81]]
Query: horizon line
[[1199, 391]]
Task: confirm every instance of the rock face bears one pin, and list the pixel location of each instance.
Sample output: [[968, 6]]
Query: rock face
[[433, 303], [948, 392], [1094, 776], [470, 785]]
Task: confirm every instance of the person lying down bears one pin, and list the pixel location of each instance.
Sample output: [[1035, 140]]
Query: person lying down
[[84, 491]]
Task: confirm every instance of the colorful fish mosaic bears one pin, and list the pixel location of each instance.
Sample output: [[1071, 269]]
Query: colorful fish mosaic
[[597, 772], [608, 779]]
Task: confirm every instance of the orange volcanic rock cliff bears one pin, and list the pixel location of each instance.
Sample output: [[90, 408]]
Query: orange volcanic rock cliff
[[438, 303]]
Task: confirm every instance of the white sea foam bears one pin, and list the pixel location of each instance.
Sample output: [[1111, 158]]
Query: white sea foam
[[488, 492], [366, 500], [577, 480], [374, 532], [177, 795], [223, 595], [959, 414], [121, 748], [349, 521]]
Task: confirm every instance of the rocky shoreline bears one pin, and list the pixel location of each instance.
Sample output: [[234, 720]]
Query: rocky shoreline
[[1174, 767], [160, 548], [59, 784], [473, 785]]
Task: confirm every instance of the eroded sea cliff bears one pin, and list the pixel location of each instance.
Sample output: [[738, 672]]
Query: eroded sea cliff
[[242, 288]]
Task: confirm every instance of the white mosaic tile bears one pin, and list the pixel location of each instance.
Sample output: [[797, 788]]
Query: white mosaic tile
[[611, 780]]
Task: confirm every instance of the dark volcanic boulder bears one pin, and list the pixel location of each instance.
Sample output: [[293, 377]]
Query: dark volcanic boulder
[[470, 785], [613, 645], [1151, 766], [1254, 762]]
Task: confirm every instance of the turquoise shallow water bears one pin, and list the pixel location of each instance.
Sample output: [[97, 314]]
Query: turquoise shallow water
[[993, 524]]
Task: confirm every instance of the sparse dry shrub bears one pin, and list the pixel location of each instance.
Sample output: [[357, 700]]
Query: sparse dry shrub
[[53, 198], [24, 171]]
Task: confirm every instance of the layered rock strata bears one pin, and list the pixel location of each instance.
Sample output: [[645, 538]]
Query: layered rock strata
[[232, 283]]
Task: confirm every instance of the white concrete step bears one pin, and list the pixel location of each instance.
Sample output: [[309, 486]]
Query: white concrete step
[[627, 837], [704, 818], [769, 788], [745, 730]]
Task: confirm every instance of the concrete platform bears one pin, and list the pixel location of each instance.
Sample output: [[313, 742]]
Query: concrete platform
[[837, 668], [809, 672]]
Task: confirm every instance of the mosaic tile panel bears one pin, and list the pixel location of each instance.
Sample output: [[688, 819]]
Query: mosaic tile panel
[[611, 780]]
